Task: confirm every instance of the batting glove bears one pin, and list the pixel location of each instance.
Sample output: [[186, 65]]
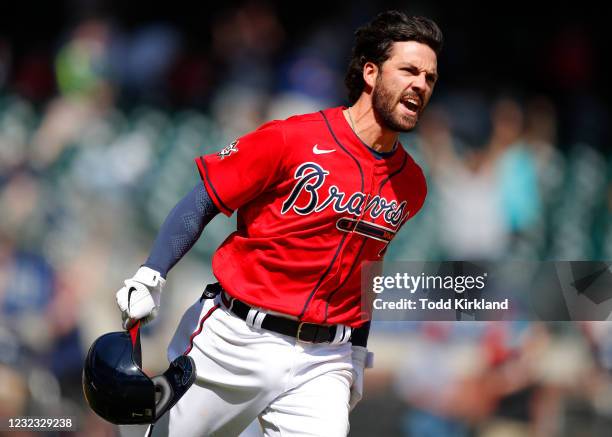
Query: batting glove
[[362, 359], [140, 298]]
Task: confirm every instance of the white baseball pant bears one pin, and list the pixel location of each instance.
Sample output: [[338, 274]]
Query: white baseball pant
[[294, 388]]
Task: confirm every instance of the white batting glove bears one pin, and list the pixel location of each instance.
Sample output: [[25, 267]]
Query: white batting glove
[[140, 298], [362, 359]]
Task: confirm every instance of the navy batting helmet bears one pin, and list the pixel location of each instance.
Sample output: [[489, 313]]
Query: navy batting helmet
[[117, 389]]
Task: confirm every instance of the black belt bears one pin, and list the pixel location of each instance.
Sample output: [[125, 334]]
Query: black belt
[[303, 331], [306, 332]]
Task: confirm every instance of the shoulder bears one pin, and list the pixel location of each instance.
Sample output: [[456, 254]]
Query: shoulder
[[410, 164], [295, 128], [413, 171]]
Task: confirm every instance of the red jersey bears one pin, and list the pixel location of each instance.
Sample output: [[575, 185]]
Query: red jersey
[[313, 203]]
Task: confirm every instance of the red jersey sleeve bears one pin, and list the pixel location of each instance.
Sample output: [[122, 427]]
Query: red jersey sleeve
[[245, 168]]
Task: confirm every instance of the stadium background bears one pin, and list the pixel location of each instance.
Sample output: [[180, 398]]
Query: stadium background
[[103, 105]]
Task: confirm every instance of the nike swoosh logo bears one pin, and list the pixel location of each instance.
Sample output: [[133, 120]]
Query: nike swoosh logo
[[318, 151]]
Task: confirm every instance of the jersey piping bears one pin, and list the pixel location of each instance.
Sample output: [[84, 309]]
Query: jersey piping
[[313, 292]]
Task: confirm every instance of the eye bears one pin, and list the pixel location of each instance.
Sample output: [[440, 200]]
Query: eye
[[431, 78], [411, 70]]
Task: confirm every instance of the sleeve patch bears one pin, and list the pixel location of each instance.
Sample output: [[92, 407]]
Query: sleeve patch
[[228, 150]]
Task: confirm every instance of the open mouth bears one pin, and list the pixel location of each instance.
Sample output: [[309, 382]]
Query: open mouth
[[412, 104]]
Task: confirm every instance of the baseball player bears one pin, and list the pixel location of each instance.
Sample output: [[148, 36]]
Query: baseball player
[[282, 336]]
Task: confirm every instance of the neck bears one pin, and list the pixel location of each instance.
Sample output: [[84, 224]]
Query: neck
[[363, 121]]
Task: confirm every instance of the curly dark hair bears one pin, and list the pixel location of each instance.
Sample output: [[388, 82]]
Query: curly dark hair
[[373, 43]]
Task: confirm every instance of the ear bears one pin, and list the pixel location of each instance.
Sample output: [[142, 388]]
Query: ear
[[370, 73]]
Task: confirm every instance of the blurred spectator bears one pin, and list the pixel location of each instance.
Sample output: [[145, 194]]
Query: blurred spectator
[[490, 379], [13, 393], [245, 40], [35, 305], [464, 177], [312, 77], [517, 167], [17, 119], [541, 133], [450, 377], [141, 62], [85, 92], [82, 63], [519, 188], [22, 203]]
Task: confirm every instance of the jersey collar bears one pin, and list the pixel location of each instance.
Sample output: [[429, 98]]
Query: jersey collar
[[349, 139]]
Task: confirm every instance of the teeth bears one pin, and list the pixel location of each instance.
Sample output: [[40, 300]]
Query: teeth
[[411, 103]]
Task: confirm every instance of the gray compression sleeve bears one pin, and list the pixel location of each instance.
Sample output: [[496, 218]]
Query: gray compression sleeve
[[181, 229]]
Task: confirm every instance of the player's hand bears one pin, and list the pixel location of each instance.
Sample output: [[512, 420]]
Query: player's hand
[[362, 359], [139, 299]]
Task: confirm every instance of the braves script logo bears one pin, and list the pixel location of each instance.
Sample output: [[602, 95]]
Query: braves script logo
[[310, 178], [228, 150]]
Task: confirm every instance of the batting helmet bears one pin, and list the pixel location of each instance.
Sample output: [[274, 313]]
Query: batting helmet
[[117, 389]]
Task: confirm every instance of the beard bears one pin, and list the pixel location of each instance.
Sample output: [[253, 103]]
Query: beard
[[384, 103]]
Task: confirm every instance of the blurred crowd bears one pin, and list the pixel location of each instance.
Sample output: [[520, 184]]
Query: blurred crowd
[[97, 140]]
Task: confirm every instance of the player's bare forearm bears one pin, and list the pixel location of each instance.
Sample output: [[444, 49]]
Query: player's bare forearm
[[181, 229]]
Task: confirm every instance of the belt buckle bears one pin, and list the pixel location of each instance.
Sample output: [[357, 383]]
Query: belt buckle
[[299, 331]]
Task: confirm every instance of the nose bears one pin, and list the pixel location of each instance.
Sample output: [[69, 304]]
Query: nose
[[419, 83]]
